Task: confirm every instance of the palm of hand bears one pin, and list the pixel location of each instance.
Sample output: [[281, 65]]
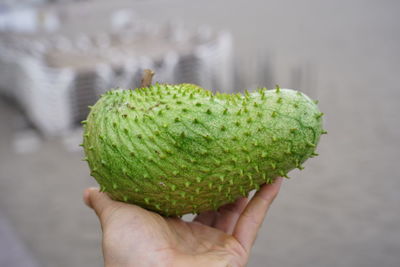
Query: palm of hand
[[133, 236]]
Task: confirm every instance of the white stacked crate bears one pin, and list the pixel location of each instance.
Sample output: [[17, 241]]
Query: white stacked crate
[[55, 77]]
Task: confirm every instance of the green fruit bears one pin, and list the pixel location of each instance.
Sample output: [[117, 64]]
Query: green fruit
[[177, 149]]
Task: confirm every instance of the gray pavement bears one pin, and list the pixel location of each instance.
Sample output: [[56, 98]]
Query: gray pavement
[[342, 210], [13, 251]]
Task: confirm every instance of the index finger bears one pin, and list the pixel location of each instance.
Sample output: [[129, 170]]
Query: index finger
[[252, 217]]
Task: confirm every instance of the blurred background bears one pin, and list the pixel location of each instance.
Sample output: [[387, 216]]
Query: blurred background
[[57, 57]]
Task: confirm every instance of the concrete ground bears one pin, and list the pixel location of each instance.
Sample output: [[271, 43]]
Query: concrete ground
[[342, 210]]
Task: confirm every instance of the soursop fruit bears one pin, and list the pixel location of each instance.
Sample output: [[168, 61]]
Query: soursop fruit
[[178, 149]]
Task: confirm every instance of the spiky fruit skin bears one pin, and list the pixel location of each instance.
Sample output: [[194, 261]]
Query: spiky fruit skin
[[178, 149]]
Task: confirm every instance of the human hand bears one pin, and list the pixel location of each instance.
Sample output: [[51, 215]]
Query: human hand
[[133, 236]]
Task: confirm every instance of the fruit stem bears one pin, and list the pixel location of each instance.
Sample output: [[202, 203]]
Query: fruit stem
[[147, 78]]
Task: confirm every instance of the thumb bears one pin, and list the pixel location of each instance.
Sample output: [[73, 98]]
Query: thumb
[[99, 202]]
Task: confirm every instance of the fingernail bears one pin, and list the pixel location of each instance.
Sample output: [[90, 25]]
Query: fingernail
[[278, 181], [86, 195]]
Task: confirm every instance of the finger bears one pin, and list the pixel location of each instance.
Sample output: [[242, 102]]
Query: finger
[[98, 201], [252, 217], [229, 214], [206, 217]]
